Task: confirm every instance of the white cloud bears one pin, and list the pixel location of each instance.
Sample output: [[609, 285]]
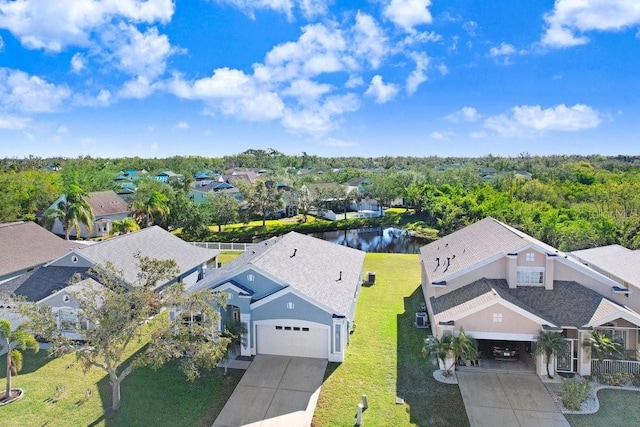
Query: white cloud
[[307, 90], [181, 125], [381, 91], [138, 88], [353, 82], [250, 6], [504, 49], [530, 120], [22, 92], [465, 114], [471, 27], [312, 8], [261, 107], [139, 54], [441, 136], [408, 13], [369, 40], [569, 19], [78, 63], [53, 25], [12, 122], [419, 74], [102, 99], [321, 117]]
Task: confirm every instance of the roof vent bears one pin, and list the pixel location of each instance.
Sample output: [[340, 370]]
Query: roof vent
[[339, 278], [294, 253]]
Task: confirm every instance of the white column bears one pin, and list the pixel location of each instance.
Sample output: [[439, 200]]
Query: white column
[[245, 350]]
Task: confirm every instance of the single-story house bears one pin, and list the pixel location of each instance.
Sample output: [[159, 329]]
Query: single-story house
[[498, 283], [52, 284], [107, 207], [296, 295]]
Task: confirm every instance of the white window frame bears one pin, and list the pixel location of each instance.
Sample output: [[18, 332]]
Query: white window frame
[[531, 276], [530, 257], [497, 317]]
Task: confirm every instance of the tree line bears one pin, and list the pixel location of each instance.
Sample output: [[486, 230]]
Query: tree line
[[570, 202]]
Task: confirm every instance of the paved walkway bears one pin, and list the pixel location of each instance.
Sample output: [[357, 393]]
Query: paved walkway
[[276, 391], [503, 399]]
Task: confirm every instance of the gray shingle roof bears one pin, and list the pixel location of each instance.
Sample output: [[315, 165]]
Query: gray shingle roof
[[614, 259], [567, 304], [153, 242], [106, 203], [25, 244], [471, 246], [42, 282], [325, 272]]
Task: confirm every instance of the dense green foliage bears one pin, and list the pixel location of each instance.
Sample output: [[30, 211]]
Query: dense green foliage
[[570, 202], [573, 393]]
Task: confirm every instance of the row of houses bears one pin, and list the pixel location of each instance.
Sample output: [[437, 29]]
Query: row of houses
[[297, 295]]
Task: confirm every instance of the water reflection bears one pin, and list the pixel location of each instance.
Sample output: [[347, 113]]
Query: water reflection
[[375, 239]]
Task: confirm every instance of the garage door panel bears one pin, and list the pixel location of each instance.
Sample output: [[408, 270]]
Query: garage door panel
[[292, 341]]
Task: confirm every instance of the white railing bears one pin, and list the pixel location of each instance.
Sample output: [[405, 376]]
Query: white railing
[[608, 366], [221, 246]]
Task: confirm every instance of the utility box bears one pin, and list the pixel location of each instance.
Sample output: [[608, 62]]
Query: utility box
[[371, 277]]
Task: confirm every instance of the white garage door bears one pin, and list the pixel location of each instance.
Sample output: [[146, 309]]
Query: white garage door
[[291, 340]]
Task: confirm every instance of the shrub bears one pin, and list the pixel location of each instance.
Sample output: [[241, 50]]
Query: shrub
[[617, 379], [573, 393], [635, 380]]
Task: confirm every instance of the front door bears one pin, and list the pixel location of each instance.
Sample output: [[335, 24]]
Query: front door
[[564, 358]]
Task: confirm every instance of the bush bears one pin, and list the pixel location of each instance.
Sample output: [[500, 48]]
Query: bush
[[573, 393], [616, 380], [635, 380]]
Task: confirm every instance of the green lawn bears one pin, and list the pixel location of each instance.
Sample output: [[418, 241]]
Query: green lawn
[[149, 398], [384, 358], [618, 408]]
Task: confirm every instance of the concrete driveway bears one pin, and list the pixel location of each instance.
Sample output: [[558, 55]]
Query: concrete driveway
[[275, 391], [499, 399]]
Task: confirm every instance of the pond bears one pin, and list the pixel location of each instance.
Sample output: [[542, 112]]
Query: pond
[[376, 239]]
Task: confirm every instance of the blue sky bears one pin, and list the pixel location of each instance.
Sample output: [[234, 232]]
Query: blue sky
[[156, 78]]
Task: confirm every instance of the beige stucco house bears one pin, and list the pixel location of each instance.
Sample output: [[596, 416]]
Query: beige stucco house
[[499, 283]]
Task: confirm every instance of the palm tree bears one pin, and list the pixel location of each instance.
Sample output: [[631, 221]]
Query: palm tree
[[125, 225], [156, 205], [439, 348], [550, 344], [72, 210], [464, 347], [459, 348], [602, 347], [10, 339]]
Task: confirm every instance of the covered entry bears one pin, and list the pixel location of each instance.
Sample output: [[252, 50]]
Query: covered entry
[[288, 338]]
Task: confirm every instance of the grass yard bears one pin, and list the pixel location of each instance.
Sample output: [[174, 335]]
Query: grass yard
[[149, 398], [618, 408], [384, 358]]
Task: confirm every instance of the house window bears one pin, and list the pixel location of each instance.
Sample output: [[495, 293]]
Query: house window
[[338, 343], [530, 257], [68, 320], [290, 305], [497, 317], [530, 276]]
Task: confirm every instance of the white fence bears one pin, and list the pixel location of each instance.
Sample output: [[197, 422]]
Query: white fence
[[608, 366], [220, 246]]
